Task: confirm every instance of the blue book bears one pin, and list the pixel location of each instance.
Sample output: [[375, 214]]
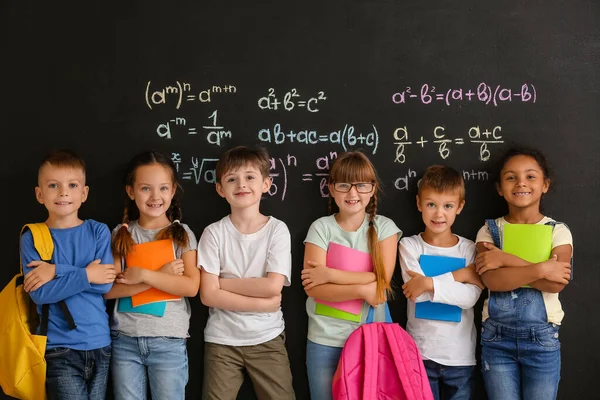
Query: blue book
[[158, 308], [434, 266]]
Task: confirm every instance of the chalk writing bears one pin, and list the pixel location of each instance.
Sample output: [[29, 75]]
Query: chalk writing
[[182, 91], [215, 133], [291, 100], [484, 93], [346, 137], [477, 135]]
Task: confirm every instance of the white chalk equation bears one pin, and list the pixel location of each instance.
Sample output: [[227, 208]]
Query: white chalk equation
[[182, 92], [214, 132], [347, 137], [202, 170], [484, 93], [481, 136], [291, 100], [314, 174]]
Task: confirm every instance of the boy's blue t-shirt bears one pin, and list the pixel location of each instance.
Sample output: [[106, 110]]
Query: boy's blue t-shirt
[[74, 249]]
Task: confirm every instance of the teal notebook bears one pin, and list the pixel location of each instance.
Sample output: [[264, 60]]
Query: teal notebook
[[158, 308]]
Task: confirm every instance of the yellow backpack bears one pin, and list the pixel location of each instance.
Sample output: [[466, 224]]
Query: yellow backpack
[[22, 363]]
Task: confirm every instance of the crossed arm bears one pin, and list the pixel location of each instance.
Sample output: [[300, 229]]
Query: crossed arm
[[503, 272], [461, 288], [330, 284], [179, 277], [242, 294]]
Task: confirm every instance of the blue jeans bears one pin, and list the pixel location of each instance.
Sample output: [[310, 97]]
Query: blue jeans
[[321, 363], [160, 361], [520, 350], [450, 382], [77, 374]]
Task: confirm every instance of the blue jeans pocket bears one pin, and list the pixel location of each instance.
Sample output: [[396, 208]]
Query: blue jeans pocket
[[548, 338], [106, 351], [57, 352], [489, 333]]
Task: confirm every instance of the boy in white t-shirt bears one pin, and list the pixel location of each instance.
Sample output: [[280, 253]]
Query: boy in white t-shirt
[[447, 348], [246, 260]]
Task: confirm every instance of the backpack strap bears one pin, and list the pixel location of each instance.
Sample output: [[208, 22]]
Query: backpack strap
[[381, 313], [404, 369], [44, 245], [371, 352], [494, 232], [553, 224]]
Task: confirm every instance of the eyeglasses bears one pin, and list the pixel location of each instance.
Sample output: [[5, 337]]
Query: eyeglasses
[[361, 187]]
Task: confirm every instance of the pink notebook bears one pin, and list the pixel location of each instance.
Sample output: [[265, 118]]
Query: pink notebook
[[347, 259]]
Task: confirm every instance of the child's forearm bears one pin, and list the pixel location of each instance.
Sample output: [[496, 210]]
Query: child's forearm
[[458, 294], [340, 277], [120, 290], [225, 300], [510, 260], [61, 288], [506, 279], [178, 285], [333, 292], [544, 285], [251, 287]]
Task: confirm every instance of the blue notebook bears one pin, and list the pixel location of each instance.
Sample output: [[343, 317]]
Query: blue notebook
[[434, 266], [158, 308]]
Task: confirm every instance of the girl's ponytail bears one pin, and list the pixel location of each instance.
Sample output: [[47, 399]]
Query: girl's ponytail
[[175, 231], [122, 242], [383, 281]]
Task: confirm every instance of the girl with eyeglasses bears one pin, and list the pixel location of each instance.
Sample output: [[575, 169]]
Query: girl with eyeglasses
[[356, 229]]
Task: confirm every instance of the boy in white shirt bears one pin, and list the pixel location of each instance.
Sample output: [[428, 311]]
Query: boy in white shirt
[[246, 260], [447, 348]]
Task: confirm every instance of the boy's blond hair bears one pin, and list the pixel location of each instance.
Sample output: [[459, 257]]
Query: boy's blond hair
[[63, 159], [443, 179]]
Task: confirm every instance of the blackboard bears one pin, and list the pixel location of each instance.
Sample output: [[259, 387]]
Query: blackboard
[[411, 83]]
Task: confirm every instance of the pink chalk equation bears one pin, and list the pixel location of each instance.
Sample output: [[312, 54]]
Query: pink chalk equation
[[484, 93]]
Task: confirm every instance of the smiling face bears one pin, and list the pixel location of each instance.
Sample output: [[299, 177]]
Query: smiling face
[[152, 190], [522, 182], [61, 190], [352, 201], [243, 187], [439, 209]]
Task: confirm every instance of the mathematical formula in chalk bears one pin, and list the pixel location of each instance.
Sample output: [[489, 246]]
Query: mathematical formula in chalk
[[484, 93]]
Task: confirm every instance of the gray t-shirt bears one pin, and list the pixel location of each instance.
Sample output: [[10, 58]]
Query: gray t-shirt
[[176, 320], [330, 331]]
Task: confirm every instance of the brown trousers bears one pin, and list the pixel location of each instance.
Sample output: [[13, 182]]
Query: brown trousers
[[267, 365]]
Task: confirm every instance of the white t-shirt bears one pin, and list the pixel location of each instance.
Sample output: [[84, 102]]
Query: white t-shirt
[[224, 251], [561, 235], [447, 343]]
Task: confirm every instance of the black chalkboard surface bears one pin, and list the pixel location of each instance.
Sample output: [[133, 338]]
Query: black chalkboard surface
[[411, 83]]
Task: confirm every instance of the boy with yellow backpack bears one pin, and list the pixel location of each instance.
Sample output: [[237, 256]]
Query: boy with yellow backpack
[[68, 291]]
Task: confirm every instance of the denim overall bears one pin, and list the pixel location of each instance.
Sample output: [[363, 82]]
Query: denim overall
[[520, 349]]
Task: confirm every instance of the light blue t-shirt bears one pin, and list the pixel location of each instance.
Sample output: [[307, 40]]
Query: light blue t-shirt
[[330, 331]]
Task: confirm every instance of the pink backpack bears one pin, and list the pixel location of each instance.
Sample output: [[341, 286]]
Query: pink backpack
[[380, 360]]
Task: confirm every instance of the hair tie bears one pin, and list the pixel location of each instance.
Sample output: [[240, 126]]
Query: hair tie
[[177, 222], [125, 225], [370, 223]]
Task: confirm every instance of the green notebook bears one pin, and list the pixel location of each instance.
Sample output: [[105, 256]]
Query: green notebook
[[530, 242], [328, 311]]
